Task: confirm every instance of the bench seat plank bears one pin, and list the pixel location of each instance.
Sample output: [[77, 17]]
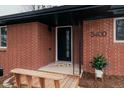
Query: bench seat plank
[[37, 74], [45, 79], [67, 82]]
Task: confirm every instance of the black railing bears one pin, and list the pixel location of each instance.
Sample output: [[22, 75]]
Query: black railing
[[1, 71]]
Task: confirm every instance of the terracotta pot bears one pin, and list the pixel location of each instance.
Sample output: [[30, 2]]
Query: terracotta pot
[[99, 73]]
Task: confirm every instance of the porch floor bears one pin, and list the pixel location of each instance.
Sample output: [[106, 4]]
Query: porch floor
[[61, 67]]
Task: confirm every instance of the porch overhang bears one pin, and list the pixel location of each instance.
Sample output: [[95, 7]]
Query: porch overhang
[[64, 15]]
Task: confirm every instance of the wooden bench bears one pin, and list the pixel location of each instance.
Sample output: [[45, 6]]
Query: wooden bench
[[40, 75]]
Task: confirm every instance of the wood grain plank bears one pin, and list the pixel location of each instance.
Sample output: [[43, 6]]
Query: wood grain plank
[[56, 83], [29, 81], [69, 81], [37, 74], [42, 82], [18, 81]]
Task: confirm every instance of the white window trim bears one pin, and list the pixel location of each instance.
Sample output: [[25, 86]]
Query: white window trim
[[117, 41], [0, 37]]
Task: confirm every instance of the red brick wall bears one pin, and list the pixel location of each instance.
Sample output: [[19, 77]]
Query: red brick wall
[[27, 46], [46, 41], [114, 52]]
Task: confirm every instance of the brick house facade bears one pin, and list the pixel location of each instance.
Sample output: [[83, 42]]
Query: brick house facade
[[31, 42]]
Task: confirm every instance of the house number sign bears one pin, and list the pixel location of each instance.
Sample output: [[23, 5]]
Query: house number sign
[[98, 34]]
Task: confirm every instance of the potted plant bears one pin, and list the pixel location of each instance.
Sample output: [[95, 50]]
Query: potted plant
[[99, 62]]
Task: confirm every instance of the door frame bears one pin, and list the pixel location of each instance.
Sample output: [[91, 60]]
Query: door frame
[[56, 40]]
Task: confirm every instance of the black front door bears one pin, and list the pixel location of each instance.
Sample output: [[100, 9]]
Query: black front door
[[64, 43]]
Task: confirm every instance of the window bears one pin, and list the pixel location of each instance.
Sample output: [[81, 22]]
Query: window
[[3, 36], [119, 30]]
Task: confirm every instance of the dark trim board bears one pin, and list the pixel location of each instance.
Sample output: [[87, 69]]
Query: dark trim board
[[47, 16], [36, 15], [78, 12]]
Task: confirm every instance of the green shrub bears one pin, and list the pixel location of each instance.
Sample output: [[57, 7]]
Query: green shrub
[[99, 62]]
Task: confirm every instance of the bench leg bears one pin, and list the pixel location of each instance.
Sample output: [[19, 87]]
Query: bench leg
[[42, 82], [29, 81], [18, 81], [56, 82]]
